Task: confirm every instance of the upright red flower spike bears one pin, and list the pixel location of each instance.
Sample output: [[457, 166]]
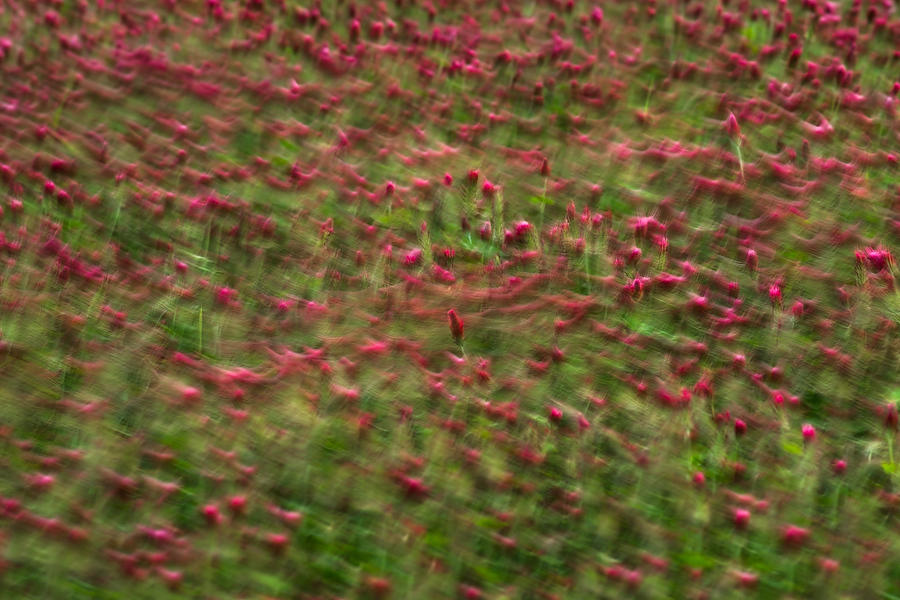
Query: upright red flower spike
[[775, 294], [839, 466], [746, 579], [877, 259], [380, 587], [890, 416], [211, 514], [277, 542], [829, 565], [484, 232], [555, 414], [414, 487], [809, 432], [238, 505], [456, 326], [794, 536], [752, 259], [732, 127]]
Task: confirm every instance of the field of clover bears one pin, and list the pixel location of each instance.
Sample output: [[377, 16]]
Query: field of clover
[[463, 299]]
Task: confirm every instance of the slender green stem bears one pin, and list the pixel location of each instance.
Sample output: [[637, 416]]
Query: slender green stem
[[890, 445], [737, 146]]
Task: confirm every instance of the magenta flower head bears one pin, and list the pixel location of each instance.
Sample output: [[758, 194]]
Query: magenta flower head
[[545, 168], [839, 466], [484, 231], [456, 325], [745, 579], [740, 427], [413, 257], [171, 578], [890, 416], [579, 246], [555, 414], [473, 176], [698, 304], [583, 423], [775, 293], [471, 593], [741, 517], [224, 295], [793, 536], [731, 126], [211, 514], [414, 487], [277, 542], [877, 259], [522, 228], [52, 19], [809, 432], [829, 565], [237, 505], [752, 259], [190, 395]]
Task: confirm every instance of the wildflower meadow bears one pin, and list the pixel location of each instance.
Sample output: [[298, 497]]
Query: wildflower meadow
[[449, 299]]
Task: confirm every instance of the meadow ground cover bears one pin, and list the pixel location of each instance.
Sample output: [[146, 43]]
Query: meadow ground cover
[[449, 299]]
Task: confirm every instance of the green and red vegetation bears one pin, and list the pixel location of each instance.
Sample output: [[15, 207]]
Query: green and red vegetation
[[449, 299]]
